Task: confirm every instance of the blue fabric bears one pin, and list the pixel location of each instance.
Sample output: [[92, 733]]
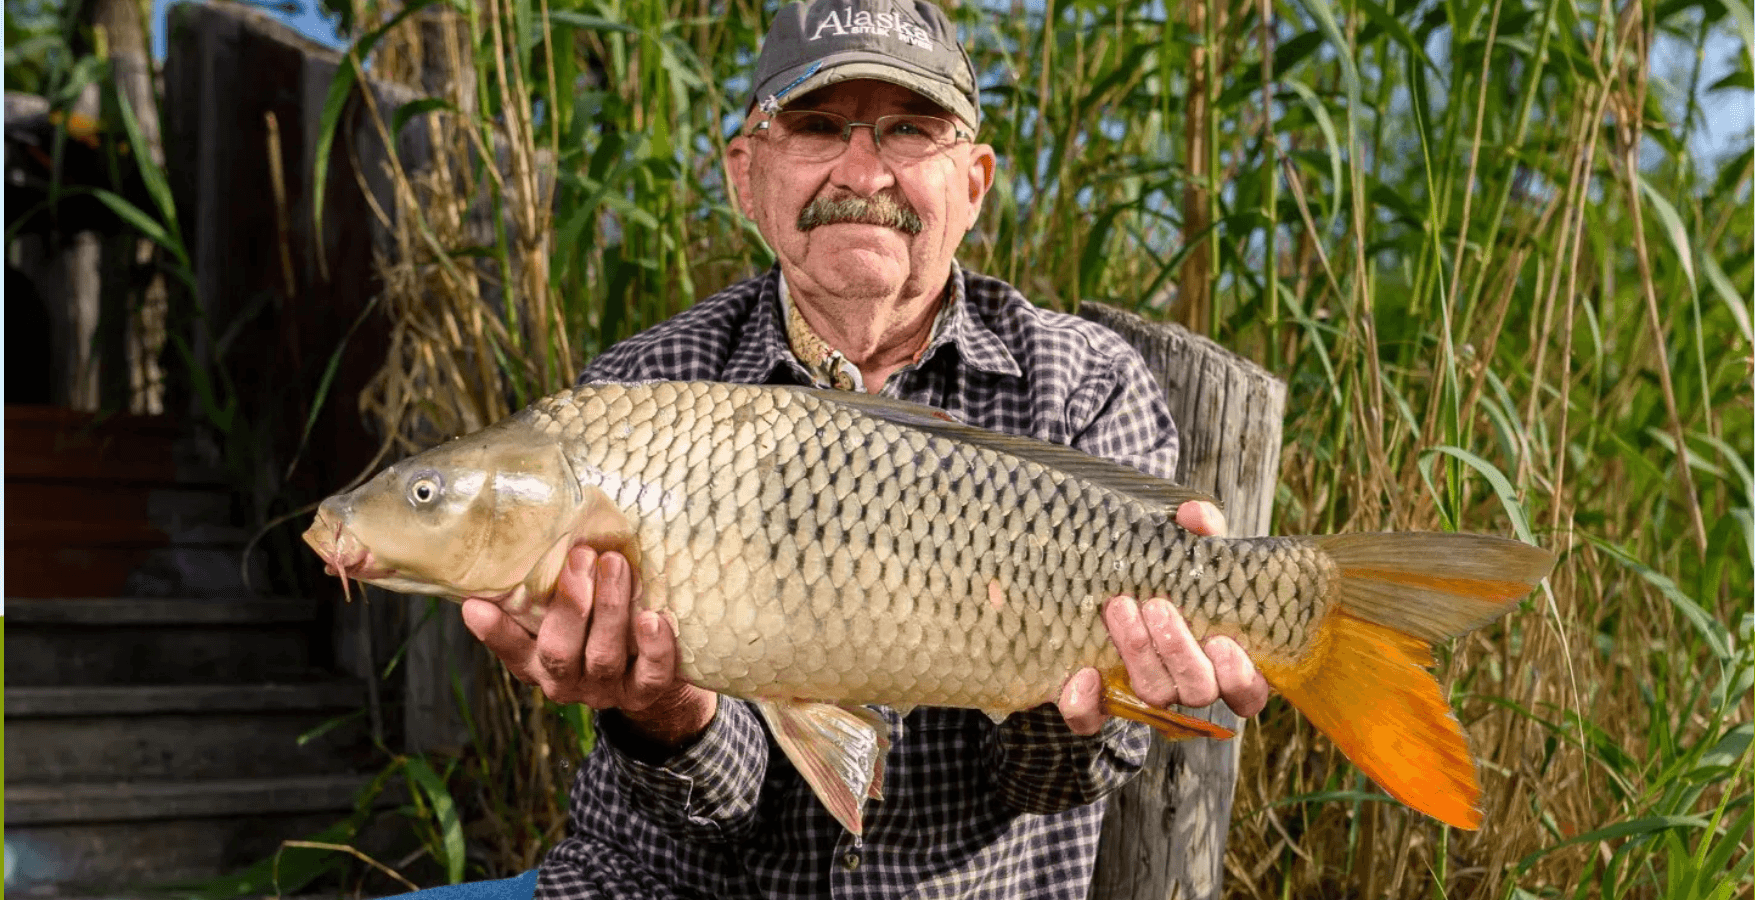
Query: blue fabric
[[520, 887]]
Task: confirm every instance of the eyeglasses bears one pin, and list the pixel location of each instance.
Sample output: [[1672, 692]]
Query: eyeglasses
[[814, 136]]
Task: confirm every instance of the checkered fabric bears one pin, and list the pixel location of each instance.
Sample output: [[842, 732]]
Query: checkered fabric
[[971, 808]]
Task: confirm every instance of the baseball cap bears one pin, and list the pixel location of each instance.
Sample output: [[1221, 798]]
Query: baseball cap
[[908, 43]]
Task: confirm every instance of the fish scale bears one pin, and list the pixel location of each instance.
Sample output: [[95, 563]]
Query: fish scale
[[818, 550]]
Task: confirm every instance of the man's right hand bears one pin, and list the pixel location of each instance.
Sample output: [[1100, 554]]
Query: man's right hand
[[595, 647]]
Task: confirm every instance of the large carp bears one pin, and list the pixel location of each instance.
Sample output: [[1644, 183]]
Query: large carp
[[817, 550]]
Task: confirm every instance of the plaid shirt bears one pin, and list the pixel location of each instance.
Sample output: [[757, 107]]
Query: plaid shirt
[[971, 808]]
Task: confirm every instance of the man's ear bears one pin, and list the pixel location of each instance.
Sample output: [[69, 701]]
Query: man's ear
[[737, 170], [982, 161]]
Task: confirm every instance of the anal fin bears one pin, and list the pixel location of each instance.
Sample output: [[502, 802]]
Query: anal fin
[[839, 750], [1120, 701]]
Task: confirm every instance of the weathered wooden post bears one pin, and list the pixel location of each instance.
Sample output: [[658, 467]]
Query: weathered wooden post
[[1164, 834]]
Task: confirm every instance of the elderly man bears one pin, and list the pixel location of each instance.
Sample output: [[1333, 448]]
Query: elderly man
[[858, 162]]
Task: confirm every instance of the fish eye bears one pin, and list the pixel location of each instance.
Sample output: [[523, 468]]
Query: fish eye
[[425, 488]]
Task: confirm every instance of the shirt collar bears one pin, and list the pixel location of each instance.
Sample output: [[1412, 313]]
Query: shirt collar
[[963, 325], [761, 343], [764, 347]]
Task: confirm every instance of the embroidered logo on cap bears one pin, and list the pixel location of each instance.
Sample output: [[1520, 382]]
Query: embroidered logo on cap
[[846, 22]]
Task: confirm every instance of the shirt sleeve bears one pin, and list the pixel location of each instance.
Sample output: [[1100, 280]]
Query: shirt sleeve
[[707, 791], [1045, 768], [1122, 416]]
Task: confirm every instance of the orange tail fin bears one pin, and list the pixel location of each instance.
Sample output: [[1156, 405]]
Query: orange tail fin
[[1367, 688], [1364, 682]]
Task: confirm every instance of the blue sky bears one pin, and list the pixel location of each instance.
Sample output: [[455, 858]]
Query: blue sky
[[302, 15]]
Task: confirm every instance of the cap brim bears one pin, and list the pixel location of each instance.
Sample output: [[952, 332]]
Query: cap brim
[[857, 65]]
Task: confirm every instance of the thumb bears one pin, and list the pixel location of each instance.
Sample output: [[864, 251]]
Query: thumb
[[482, 618], [1079, 703]]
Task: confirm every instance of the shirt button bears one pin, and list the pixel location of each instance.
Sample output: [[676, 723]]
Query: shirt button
[[851, 860]]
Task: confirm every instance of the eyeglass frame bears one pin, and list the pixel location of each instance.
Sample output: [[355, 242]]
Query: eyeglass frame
[[957, 133]]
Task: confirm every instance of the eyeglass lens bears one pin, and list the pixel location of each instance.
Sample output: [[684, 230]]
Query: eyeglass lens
[[810, 134]]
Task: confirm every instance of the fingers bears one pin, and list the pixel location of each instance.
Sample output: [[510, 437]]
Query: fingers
[[1128, 630], [1191, 672], [1234, 677], [654, 670], [1202, 518], [1241, 684], [562, 634], [1164, 662], [585, 650], [496, 630], [1079, 702], [609, 643], [1166, 666]]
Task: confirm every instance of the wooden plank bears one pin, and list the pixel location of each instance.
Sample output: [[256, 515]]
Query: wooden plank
[[294, 291], [229, 69], [38, 535], [1164, 834], [67, 701], [52, 442], [67, 571], [78, 489], [148, 800], [80, 501], [291, 294], [97, 466], [93, 610]]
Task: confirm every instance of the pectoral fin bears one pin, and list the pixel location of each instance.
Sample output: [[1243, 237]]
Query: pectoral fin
[[839, 750], [1120, 701]]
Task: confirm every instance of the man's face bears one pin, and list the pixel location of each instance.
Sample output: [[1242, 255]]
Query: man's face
[[853, 260]]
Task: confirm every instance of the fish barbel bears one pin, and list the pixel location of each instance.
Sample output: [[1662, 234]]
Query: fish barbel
[[819, 550]]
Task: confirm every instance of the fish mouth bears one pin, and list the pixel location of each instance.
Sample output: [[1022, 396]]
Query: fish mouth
[[343, 554]]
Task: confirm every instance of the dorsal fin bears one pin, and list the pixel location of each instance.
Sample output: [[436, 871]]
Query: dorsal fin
[[1122, 479]]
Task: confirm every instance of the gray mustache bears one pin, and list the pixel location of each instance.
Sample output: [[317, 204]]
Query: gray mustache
[[885, 210]]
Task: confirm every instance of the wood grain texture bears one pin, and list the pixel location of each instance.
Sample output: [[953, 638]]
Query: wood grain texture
[[1164, 834]]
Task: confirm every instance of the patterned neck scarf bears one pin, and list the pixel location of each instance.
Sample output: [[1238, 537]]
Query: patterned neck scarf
[[826, 365], [829, 367]]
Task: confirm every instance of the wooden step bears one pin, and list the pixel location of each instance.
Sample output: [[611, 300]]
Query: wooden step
[[175, 514], [28, 539], [93, 501], [132, 801], [132, 700], [70, 735], [55, 443], [119, 839], [73, 609], [96, 641]]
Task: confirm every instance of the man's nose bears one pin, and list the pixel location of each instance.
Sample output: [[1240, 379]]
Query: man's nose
[[860, 168]]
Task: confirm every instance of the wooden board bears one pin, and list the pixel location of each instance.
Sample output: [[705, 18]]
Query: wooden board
[[78, 489]]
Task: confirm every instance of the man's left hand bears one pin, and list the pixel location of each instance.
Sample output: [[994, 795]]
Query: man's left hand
[[1164, 662]]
